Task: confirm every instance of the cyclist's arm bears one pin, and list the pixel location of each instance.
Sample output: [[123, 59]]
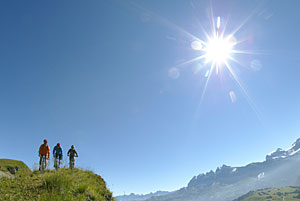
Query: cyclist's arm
[[40, 151], [48, 152]]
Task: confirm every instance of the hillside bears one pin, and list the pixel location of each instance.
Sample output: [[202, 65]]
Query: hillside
[[11, 168], [279, 194], [64, 184]]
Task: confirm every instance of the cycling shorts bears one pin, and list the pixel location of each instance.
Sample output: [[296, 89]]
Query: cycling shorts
[[59, 156]]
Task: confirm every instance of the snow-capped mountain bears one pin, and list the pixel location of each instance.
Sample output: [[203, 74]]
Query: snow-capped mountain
[[281, 168], [280, 153]]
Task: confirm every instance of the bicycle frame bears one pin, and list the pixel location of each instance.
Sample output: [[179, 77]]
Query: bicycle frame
[[72, 164], [56, 162], [43, 166]]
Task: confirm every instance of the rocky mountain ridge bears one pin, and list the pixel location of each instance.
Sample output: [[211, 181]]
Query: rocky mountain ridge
[[138, 197], [280, 153], [227, 183], [228, 175]]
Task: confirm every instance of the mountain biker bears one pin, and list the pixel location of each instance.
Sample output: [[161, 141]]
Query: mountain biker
[[44, 151], [57, 154], [72, 153]]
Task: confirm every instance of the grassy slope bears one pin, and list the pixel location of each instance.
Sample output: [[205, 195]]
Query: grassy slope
[[285, 193], [23, 169], [63, 184]]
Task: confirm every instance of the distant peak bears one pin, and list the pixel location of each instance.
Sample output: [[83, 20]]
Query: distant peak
[[297, 142], [281, 153]]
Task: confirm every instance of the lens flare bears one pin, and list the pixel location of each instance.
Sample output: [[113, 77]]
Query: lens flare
[[218, 50]]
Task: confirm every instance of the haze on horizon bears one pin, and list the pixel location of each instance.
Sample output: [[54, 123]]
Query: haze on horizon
[[121, 81]]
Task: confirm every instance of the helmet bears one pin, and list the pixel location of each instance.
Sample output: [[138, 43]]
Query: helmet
[[58, 144], [72, 146], [45, 141]]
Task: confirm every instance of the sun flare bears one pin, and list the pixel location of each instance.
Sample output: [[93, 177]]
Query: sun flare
[[218, 50], [217, 54]]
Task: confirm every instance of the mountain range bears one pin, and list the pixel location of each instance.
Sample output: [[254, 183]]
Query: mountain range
[[226, 183], [140, 197]]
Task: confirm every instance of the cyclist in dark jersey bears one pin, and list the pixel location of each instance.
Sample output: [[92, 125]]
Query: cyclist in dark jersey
[[72, 153]]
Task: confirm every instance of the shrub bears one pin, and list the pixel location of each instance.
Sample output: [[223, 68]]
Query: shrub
[[82, 188]]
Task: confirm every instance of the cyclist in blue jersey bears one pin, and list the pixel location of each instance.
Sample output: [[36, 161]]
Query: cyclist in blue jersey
[[57, 154]]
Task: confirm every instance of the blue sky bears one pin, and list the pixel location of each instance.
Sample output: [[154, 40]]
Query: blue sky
[[96, 74]]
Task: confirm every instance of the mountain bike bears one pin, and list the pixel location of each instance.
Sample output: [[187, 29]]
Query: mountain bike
[[72, 162], [43, 165], [56, 162]]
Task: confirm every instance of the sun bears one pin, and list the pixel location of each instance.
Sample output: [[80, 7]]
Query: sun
[[217, 55], [218, 50]]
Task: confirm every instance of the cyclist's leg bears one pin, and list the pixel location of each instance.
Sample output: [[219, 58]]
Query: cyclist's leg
[[55, 161], [60, 158], [44, 161], [45, 158], [42, 165], [71, 163]]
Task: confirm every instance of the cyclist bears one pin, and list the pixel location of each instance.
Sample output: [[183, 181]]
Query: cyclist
[[44, 152], [72, 153], [57, 154]]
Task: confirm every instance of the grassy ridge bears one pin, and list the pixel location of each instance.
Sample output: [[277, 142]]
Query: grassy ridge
[[23, 170], [276, 194], [63, 184]]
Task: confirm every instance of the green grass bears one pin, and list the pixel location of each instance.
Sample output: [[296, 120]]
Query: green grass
[[276, 194], [22, 168], [51, 185]]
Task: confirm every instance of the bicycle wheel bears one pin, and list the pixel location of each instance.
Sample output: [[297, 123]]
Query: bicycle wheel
[[43, 166], [72, 164]]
